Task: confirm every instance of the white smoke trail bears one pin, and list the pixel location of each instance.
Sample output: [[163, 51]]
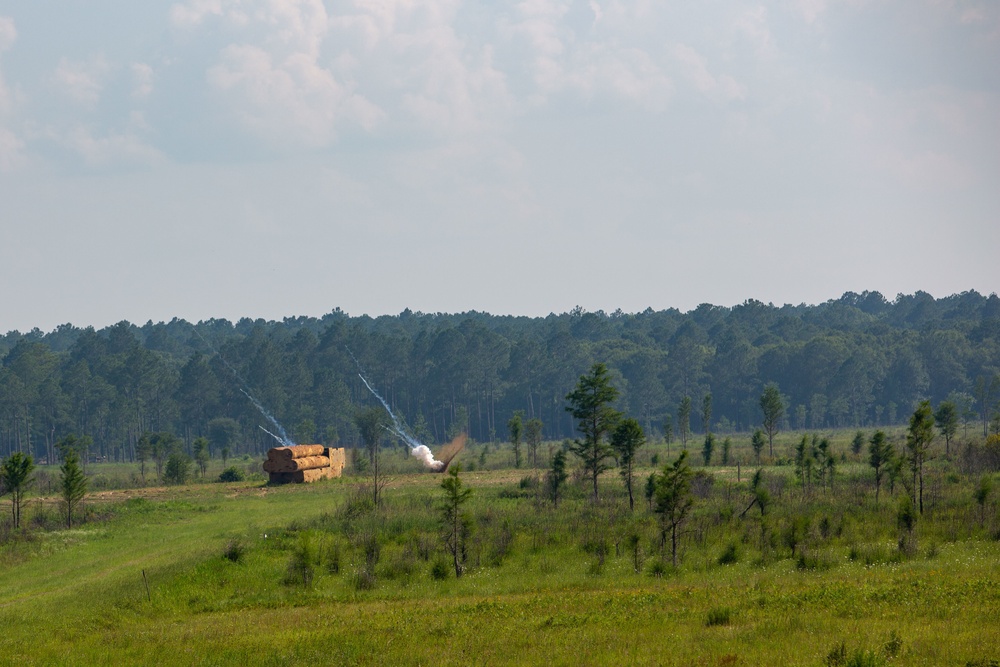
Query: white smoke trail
[[419, 451], [283, 438], [282, 442]]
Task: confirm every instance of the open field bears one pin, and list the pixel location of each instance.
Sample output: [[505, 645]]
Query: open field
[[573, 585]]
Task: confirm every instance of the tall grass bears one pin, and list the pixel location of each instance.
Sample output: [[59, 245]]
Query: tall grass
[[245, 573]]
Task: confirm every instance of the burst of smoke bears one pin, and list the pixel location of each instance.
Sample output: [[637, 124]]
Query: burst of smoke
[[423, 454], [418, 450]]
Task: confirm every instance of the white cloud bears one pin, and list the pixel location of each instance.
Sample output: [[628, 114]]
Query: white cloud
[[113, 148], [142, 80], [925, 169], [10, 144], [295, 100], [811, 9], [753, 24], [82, 81], [10, 149], [8, 33], [594, 65], [194, 12], [598, 12], [722, 87]]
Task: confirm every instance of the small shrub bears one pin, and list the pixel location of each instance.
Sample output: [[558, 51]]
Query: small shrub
[[865, 659], [235, 550], [730, 555], [401, 566], [364, 580], [528, 482], [178, 469], [330, 557], [719, 616], [301, 568], [702, 483], [501, 545], [359, 503], [638, 557], [810, 560], [232, 474], [895, 644], [600, 554], [440, 569], [837, 655], [658, 568], [874, 554]]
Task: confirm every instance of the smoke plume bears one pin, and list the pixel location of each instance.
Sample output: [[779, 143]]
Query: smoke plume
[[418, 450]]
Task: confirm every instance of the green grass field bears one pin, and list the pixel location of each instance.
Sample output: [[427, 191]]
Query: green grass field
[[569, 586]]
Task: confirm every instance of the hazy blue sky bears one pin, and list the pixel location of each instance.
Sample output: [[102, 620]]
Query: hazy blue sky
[[267, 158]]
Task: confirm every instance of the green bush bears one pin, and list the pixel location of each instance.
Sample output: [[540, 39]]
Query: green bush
[[305, 556], [232, 474], [440, 569], [178, 469], [719, 616], [730, 555], [658, 568], [235, 550]]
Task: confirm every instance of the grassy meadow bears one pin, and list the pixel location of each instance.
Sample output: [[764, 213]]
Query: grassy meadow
[[213, 573]]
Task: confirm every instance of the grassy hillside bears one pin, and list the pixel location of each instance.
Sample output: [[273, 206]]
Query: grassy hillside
[[248, 574]]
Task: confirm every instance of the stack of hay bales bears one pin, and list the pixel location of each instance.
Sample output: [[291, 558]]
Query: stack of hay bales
[[304, 463]]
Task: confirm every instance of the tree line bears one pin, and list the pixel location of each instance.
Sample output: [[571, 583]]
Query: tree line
[[860, 360]]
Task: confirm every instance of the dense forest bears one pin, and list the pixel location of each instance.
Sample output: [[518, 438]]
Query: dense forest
[[860, 360]]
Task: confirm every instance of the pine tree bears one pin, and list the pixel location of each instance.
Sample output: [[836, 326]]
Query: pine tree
[[918, 439], [72, 485], [590, 404], [626, 441], [673, 500], [879, 457], [456, 524], [15, 473], [773, 408]]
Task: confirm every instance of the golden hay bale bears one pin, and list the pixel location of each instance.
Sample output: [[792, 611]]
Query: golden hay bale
[[338, 459], [293, 465], [302, 476], [296, 452]]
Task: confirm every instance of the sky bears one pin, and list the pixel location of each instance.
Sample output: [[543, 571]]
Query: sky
[[275, 158]]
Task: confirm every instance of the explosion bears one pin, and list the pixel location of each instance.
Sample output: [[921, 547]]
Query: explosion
[[418, 450]]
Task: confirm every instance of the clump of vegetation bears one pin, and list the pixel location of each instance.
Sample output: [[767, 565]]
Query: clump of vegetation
[[366, 576], [232, 474], [330, 555], [178, 469], [439, 569], [235, 549], [305, 557], [719, 616], [839, 656], [730, 555]]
